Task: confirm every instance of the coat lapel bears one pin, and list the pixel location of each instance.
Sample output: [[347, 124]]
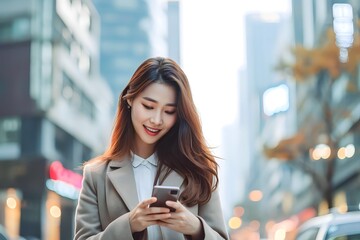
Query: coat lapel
[[174, 179], [121, 176]]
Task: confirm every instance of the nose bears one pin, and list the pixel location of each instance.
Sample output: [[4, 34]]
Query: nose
[[157, 118]]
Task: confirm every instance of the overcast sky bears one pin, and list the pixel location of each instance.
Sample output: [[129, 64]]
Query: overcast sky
[[213, 52]]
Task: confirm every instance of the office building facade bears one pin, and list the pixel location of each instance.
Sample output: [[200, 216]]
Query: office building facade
[[55, 112]]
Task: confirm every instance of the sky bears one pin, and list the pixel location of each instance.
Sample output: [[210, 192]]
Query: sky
[[213, 53]]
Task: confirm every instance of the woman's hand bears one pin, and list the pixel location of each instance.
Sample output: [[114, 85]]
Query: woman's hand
[[182, 220], [143, 216]]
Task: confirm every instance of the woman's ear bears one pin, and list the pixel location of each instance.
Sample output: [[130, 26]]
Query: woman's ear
[[129, 102]]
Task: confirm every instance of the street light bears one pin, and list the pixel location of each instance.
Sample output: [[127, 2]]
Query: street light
[[343, 28]]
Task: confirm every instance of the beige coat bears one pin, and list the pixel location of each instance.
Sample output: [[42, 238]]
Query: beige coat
[[108, 194]]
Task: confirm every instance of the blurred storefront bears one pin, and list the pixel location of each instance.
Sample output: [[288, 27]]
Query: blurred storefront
[[38, 200], [55, 112]]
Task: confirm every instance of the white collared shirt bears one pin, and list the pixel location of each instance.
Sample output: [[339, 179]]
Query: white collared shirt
[[145, 171]]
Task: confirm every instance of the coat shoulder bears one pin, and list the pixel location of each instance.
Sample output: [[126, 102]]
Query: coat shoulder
[[96, 165], [101, 165]]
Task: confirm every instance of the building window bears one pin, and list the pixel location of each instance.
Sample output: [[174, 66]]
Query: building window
[[68, 89], [84, 62], [85, 17], [76, 97], [86, 106], [66, 38], [15, 29], [10, 130], [64, 144], [81, 57], [10, 138], [75, 10]]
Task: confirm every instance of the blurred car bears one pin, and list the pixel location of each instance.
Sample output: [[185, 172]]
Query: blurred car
[[332, 226]]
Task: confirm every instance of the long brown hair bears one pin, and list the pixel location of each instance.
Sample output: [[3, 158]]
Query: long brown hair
[[183, 149]]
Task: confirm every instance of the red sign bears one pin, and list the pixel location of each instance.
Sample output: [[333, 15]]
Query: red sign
[[59, 173]]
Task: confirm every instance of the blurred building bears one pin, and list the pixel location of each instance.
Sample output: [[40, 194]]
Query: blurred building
[[263, 47], [55, 112], [275, 96], [329, 113], [173, 15], [310, 152], [132, 31]]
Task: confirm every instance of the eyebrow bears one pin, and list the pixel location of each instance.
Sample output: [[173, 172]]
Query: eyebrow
[[154, 101]]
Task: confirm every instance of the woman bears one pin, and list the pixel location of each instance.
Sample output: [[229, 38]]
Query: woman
[[157, 140]]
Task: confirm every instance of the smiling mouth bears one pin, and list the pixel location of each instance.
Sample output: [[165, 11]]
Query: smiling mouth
[[152, 131]]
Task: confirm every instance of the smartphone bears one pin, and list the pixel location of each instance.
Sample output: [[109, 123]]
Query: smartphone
[[163, 194]]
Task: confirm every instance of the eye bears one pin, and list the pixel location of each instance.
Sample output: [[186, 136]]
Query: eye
[[147, 107], [170, 112]]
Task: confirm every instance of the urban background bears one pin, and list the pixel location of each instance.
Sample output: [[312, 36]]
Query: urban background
[[290, 153]]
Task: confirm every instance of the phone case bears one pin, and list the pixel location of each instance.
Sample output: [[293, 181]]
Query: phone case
[[163, 194]]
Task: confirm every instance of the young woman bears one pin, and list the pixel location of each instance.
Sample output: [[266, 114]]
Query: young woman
[[157, 139]]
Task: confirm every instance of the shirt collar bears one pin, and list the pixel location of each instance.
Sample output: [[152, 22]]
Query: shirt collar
[[137, 160]]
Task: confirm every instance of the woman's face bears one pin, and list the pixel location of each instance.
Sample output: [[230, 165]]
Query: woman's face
[[153, 113]]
